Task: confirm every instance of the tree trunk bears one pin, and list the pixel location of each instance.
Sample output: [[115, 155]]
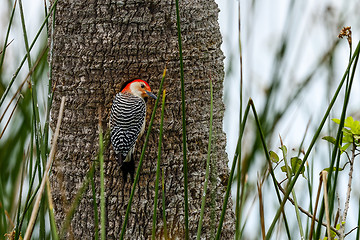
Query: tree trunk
[[97, 47]]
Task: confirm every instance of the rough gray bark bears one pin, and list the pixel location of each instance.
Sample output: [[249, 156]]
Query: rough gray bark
[[98, 45]]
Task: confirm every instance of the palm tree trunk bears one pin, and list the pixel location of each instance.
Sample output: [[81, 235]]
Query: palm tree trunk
[[97, 47]]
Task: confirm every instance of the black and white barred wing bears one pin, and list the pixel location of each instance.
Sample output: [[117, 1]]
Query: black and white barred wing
[[126, 122]]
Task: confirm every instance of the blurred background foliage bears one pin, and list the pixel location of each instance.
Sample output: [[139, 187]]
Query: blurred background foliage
[[23, 109], [292, 63]]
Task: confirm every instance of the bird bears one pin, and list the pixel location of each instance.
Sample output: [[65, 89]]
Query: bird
[[127, 123]]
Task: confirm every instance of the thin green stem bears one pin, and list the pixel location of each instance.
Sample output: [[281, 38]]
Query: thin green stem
[[314, 139], [158, 166], [32, 89], [203, 202], [95, 206], [50, 93], [36, 119], [289, 174], [238, 206], [163, 206], [267, 155], [298, 214], [54, 230], [228, 189], [358, 223], [3, 224], [336, 151], [18, 226], [6, 38], [46, 171], [122, 234], [186, 201], [102, 183], [25, 57], [46, 13], [76, 202], [349, 84], [83, 188], [25, 33]]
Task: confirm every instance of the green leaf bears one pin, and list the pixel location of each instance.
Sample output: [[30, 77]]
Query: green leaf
[[335, 120], [355, 127], [330, 139], [343, 148], [348, 136], [283, 149], [334, 169], [283, 169], [274, 157], [338, 226], [349, 122], [333, 234], [296, 164]]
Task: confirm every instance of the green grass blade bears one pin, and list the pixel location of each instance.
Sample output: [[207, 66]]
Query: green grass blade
[[341, 126], [158, 166], [3, 223], [102, 182], [31, 194], [34, 212], [83, 188], [314, 139], [163, 205], [41, 217], [266, 151], [186, 201], [50, 93], [76, 202], [46, 13], [297, 212], [18, 228], [228, 188], [358, 223], [54, 230], [238, 206], [203, 201], [293, 193], [6, 38], [95, 206], [32, 89], [25, 57], [122, 234], [36, 117], [336, 151], [25, 34]]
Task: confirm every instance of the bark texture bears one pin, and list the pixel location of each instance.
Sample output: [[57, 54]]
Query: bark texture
[[98, 45]]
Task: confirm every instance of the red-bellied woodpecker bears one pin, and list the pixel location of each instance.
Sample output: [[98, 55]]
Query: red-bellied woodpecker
[[127, 122]]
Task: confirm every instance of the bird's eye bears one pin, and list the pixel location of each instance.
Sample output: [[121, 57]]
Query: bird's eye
[[142, 86]]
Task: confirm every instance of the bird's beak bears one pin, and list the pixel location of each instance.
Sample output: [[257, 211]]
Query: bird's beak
[[150, 94]]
